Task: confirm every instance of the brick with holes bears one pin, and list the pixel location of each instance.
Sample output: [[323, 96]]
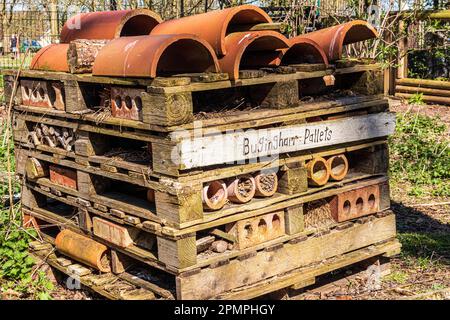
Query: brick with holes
[[355, 203], [253, 231], [42, 94], [126, 103]]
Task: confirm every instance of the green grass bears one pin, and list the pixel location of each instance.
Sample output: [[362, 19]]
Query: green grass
[[425, 250], [397, 276], [420, 153], [16, 265]]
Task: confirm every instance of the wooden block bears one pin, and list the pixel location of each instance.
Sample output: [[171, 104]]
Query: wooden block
[[167, 109], [20, 129], [112, 232], [308, 67], [119, 262], [374, 160], [90, 144], [100, 207], [64, 262], [108, 168], [84, 203], [162, 159], [10, 86], [212, 282], [37, 245], [179, 253], [35, 168], [32, 199], [117, 213], [75, 100], [294, 220], [133, 220], [304, 283], [21, 159], [137, 294], [85, 183], [84, 219], [294, 179], [385, 197], [78, 270], [277, 95], [204, 243], [185, 206], [370, 82]]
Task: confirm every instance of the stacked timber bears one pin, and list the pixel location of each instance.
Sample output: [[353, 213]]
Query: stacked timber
[[219, 178]]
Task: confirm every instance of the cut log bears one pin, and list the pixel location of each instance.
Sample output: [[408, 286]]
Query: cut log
[[82, 53]]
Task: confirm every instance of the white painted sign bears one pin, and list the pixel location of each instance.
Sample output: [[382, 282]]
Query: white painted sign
[[238, 146]]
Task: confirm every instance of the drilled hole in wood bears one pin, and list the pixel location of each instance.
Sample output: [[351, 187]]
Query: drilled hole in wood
[[371, 201], [359, 204], [347, 206], [276, 222]]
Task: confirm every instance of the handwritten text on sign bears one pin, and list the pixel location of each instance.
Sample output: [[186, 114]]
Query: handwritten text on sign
[[249, 144]]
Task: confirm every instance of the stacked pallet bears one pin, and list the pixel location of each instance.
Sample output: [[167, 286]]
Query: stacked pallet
[[178, 176]]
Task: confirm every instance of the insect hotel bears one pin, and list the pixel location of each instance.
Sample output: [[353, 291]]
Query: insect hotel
[[206, 157]]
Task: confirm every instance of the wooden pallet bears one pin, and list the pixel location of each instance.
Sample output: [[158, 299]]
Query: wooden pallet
[[171, 102], [184, 153], [293, 263], [175, 250], [178, 202]]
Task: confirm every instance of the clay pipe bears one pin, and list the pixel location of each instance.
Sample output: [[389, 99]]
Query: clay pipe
[[241, 189], [338, 166], [266, 184], [318, 171], [214, 195], [83, 249]]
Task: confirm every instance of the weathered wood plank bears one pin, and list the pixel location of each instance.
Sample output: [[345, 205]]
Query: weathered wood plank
[[235, 274], [252, 144]]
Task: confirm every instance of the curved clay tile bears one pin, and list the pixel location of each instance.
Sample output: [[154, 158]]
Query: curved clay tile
[[303, 50], [215, 25], [333, 39], [51, 58], [109, 24], [158, 55], [252, 49]]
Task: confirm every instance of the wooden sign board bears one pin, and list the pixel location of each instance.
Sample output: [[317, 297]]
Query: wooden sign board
[[238, 146]]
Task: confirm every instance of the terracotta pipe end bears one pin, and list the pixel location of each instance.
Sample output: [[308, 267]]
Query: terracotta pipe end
[[338, 166], [266, 184], [214, 195], [83, 249], [318, 171], [242, 189]]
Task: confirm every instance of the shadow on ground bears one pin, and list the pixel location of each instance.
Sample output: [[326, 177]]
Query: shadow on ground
[[421, 235]]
